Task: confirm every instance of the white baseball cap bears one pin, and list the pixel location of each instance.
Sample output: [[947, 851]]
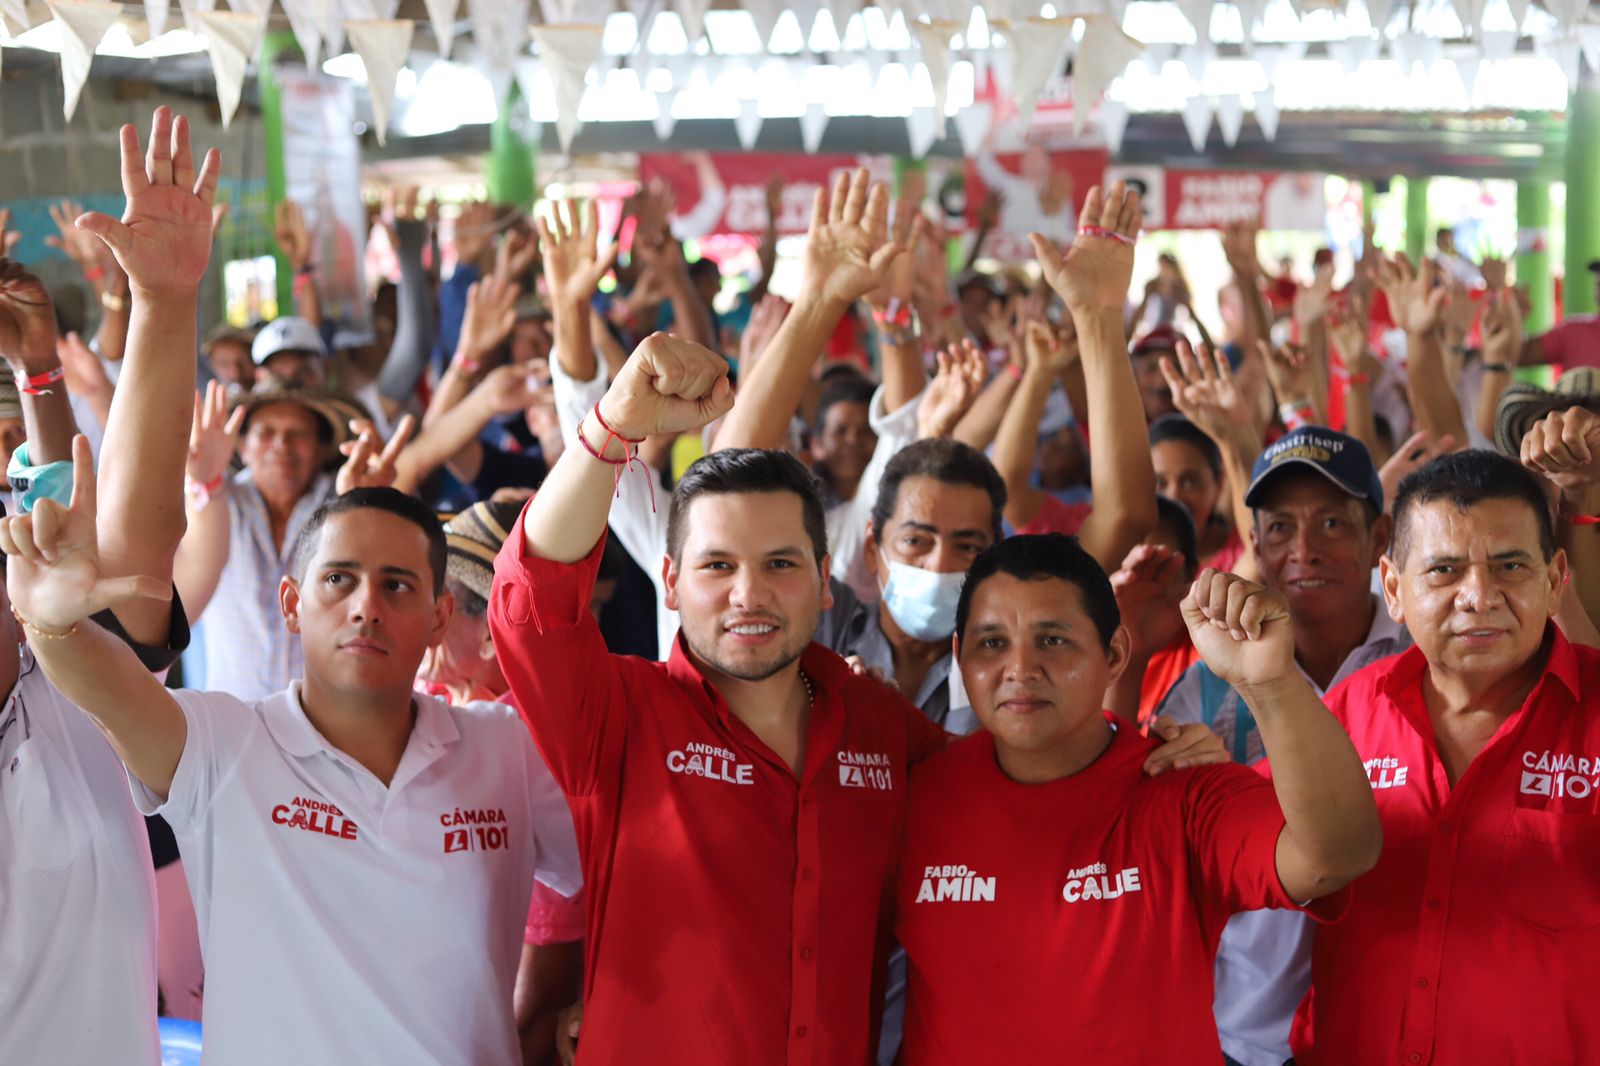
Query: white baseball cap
[[286, 334]]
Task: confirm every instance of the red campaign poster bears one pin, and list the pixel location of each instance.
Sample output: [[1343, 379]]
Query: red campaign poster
[[1042, 191], [719, 193], [1213, 199]]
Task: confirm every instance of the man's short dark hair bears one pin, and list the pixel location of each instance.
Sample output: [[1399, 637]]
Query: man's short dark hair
[[1172, 515], [944, 460], [391, 501], [841, 388], [1466, 479], [1178, 428], [1029, 557], [745, 470]]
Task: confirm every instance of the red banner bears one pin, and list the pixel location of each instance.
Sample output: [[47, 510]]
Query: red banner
[[1042, 192], [728, 193], [1213, 199]]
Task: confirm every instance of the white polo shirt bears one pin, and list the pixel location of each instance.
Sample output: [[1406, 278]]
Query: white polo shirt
[[345, 921], [77, 894]]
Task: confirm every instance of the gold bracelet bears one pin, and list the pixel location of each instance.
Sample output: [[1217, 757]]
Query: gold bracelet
[[113, 303], [45, 633]]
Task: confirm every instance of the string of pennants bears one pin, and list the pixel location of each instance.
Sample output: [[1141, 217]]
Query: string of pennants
[[1032, 50]]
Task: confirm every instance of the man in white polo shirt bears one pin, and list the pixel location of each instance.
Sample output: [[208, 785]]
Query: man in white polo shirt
[[360, 857]]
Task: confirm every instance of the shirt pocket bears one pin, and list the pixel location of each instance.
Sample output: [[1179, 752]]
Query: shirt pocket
[[1549, 872], [51, 818]]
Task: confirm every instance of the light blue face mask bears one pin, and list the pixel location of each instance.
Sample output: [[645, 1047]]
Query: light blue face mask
[[34, 483], [922, 602]]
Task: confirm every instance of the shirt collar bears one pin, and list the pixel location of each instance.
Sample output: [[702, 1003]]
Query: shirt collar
[[286, 720], [1402, 684]]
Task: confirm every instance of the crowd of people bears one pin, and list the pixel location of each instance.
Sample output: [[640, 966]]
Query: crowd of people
[[928, 669]]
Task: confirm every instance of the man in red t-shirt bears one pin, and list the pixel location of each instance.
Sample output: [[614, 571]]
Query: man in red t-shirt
[[1476, 938], [1045, 876]]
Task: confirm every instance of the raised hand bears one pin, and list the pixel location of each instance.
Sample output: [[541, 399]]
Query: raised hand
[[490, 316], [955, 386], [1241, 629], [1313, 302], [1564, 447], [1415, 301], [289, 230], [213, 435], [1050, 348], [1348, 332], [764, 322], [572, 266], [369, 463], [1458, 312], [1290, 371], [1502, 328], [508, 389], [899, 280], [1493, 269], [53, 571], [1418, 451], [163, 241], [518, 249], [849, 248], [8, 236], [80, 246], [667, 385], [27, 321], [1141, 586], [1239, 249], [474, 228], [1204, 391], [1095, 272]]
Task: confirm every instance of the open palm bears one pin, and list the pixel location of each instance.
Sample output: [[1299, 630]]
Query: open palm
[[848, 250], [1204, 391], [163, 241]]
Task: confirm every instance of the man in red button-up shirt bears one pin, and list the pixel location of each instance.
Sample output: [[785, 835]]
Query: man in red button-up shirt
[[739, 807], [1476, 938]]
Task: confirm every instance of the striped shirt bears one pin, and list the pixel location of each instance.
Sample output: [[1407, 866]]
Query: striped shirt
[[248, 651]]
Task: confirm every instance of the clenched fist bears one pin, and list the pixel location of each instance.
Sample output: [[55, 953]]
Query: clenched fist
[[668, 385], [1242, 630]]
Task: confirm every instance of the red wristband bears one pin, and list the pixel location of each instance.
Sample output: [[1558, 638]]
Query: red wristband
[[1014, 370], [94, 273], [1101, 231], [1583, 519], [36, 385]]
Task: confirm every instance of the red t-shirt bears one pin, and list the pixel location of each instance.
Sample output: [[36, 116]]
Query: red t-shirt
[[1057, 517], [1576, 342], [1076, 921], [1476, 938], [735, 914], [1162, 672]]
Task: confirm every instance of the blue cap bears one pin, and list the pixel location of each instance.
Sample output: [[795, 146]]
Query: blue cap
[[1338, 457]]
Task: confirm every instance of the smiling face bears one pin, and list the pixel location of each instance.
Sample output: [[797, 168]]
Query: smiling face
[[1183, 474], [746, 583], [1472, 586], [280, 447], [844, 442], [364, 607], [1317, 545], [1034, 664]]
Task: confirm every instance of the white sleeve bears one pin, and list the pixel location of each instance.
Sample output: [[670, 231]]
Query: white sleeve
[[219, 727], [574, 398], [556, 861], [1184, 701], [848, 522]]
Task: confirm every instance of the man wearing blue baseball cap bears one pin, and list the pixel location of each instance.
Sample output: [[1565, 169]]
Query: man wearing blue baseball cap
[[1319, 529]]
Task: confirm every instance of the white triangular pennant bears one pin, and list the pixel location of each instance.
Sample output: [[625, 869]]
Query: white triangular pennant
[[1568, 13], [1113, 123], [1589, 41], [972, 126], [840, 11], [231, 38], [665, 121], [442, 17], [1249, 15], [1197, 120], [1271, 58], [529, 85], [155, 16], [765, 14], [693, 14], [383, 45], [1519, 11], [306, 18], [1156, 54], [1345, 54], [1379, 12], [1468, 67], [330, 25], [934, 39], [747, 124], [1470, 12], [1498, 44], [1567, 54], [921, 131], [17, 12], [1037, 48], [567, 53], [1427, 50], [499, 29], [1230, 117], [1196, 57], [386, 10], [812, 124], [1267, 114], [83, 23], [1103, 55], [1198, 12]]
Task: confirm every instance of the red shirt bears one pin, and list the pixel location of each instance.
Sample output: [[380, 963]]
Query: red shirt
[[1576, 342], [1057, 517], [1476, 938], [736, 915], [1076, 921]]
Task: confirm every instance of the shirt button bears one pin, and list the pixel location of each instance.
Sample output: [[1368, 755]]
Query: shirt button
[[805, 954], [1422, 982], [801, 1031], [1413, 1057], [1434, 903]]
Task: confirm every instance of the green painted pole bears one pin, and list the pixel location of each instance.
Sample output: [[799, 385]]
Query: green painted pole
[[1583, 212], [1416, 218], [508, 172], [272, 137], [1533, 252]]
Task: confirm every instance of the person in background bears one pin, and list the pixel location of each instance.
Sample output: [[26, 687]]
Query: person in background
[[1146, 352], [228, 353], [1150, 587], [1188, 468]]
